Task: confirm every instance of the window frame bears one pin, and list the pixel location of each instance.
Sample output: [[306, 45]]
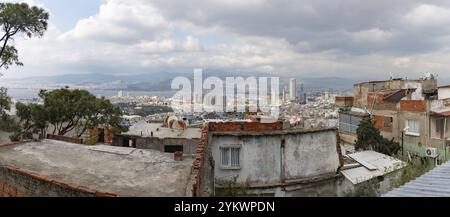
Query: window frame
[[230, 165], [438, 131], [416, 132], [349, 123]]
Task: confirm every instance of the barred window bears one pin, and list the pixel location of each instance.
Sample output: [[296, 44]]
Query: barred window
[[230, 156]]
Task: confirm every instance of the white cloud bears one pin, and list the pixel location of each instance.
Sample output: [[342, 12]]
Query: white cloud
[[119, 21], [373, 35], [429, 15], [402, 62], [345, 38]]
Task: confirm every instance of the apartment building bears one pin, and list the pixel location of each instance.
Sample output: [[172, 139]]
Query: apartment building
[[414, 113]]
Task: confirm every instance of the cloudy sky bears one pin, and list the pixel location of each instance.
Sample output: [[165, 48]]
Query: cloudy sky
[[314, 38]]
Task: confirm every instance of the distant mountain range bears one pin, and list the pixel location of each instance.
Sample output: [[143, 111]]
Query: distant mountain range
[[162, 81]]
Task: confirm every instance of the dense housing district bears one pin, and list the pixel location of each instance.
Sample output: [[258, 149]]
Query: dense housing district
[[241, 155]]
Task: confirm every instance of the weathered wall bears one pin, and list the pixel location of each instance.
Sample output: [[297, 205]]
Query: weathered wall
[[189, 145], [332, 187], [65, 139], [344, 101], [15, 182], [311, 154], [260, 159], [264, 162], [444, 93]]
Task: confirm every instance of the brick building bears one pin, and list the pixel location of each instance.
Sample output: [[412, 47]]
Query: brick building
[[412, 112]]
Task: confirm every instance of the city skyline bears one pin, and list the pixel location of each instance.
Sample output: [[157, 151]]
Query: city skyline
[[405, 38]]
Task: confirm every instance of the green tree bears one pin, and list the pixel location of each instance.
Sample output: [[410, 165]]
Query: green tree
[[5, 102], [23, 129], [6, 122], [32, 120], [67, 110], [19, 19], [370, 138]]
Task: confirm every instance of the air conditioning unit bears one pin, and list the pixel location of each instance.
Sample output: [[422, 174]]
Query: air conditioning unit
[[432, 152]]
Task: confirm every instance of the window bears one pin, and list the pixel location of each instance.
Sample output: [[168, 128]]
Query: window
[[173, 148], [440, 128], [388, 123], [348, 123], [414, 127], [230, 157]]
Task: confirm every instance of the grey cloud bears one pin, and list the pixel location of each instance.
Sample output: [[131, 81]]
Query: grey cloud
[[322, 25]]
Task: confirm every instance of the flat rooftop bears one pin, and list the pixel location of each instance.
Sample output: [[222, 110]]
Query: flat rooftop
[[145, 129], [122, 171]]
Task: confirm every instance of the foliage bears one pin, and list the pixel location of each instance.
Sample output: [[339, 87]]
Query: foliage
[[366, 189], [416, 167], [5, 102], [65, 110], [30, 121], [370, 138], [6, 121], [235, 189], [19, 18]]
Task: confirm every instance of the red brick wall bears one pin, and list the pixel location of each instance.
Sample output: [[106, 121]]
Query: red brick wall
[[379, 122], [413, 105], [199, 162], [32, 184], [10, 191], [245, 126], [385, 106], [374, 96], [344, 101]]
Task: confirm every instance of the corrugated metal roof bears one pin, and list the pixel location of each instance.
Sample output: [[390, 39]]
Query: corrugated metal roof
[[373, 164], [435, 183]]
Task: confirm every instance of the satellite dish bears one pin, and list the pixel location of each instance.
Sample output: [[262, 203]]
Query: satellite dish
[[429, 76]]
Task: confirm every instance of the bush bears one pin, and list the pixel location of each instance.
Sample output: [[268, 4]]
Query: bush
[[370, 138]]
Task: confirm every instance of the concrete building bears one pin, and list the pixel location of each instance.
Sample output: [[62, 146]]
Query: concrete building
[[285, 95], [412, 112], [444, 92], [302, 94], [50, 168], [273, 161], [293, 89], [158, 136], [344, 101]]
